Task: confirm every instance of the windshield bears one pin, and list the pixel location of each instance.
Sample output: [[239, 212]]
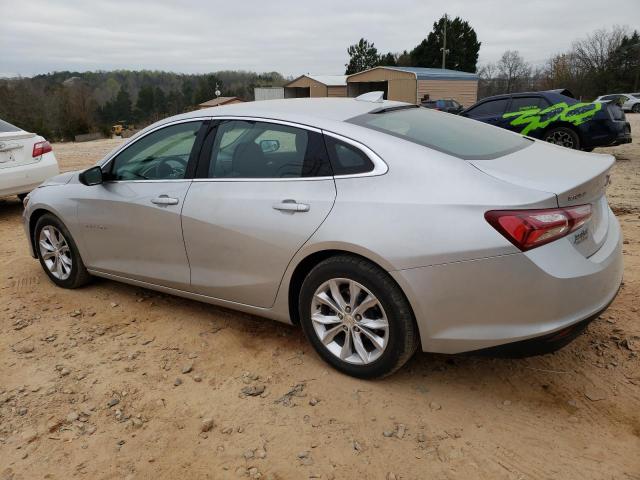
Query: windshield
[[457, 136], [7, 127]]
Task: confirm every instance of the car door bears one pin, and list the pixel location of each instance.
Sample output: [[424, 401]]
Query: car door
[[131, 224], [490, 111], [263, 188], [521, 111]]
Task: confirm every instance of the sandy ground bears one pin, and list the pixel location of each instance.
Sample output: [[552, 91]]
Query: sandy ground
[[112, 382]]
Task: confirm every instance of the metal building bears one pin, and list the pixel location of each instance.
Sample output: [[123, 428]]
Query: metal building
[[413, 84], [316, 86], [268, 93]]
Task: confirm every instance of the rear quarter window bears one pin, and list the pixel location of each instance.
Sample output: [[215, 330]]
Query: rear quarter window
[[7, 127], [450, 134]]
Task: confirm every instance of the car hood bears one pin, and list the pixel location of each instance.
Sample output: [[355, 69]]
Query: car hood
[[61, 179]]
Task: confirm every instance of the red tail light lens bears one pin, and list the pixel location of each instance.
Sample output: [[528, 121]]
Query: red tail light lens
[[528, 229], [40, 148]]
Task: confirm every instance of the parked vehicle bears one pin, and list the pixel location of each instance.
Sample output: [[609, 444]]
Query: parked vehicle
[[555, 117], [26, 160], [368, 222], [627, 101], [449, 106]]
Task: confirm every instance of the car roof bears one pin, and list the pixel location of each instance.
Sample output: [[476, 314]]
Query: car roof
[[307, 111]]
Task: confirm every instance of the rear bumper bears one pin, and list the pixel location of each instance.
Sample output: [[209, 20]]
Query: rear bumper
[[609, 134], [23, 179], [474, 305]]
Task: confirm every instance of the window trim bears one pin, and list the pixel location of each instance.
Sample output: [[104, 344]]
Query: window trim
[[379, 166], [107, 163], [537, 97], [484, 102]]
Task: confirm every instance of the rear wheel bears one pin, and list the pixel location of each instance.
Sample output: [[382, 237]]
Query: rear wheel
[[636, 108], [22, 196], [58, 253], [563, 136], [357, 318]]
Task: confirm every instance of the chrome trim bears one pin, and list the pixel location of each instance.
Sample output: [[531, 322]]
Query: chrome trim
[[379, 165]]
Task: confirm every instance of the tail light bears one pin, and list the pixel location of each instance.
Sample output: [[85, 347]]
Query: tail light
[[40, 148], [528, 229]]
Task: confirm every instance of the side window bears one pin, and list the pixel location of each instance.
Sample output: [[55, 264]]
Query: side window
[[347, 159], [492, 107], [161, 155], [527, 103], [249, 149]]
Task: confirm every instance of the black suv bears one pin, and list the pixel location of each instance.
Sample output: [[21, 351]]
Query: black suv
[[444, 105], [556, 117]]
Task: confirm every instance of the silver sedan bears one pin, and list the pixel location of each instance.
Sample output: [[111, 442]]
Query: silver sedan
[[379, 227]]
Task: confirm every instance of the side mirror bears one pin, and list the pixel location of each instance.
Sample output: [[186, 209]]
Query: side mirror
[[91, 176], [269, 146]]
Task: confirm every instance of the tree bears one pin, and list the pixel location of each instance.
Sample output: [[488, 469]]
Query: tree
[[388, 60], [512, 71], [145, 103], [362, 56], [625, 64], [462, 45], [159, 101], [122, 106], [593, 56]]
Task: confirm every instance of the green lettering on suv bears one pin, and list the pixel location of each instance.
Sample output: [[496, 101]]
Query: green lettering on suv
[[534, 118]]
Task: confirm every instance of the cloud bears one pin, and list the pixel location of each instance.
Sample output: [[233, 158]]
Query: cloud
[[292, 37]]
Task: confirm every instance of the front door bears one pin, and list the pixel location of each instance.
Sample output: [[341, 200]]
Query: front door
[[265, 190], [131, 223]]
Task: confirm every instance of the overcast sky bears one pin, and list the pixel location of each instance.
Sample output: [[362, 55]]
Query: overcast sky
[[289, 36]]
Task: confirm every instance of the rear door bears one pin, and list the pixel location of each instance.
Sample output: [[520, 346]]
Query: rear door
[[520, 110], [263, 188], [131, 223], [489, 112]]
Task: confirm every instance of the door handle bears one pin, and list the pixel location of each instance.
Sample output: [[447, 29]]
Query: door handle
[[291, 206], [164, 200]]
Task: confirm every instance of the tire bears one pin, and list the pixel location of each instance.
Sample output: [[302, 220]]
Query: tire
[[22, 196], [356, 320], [51, 236], [563, 136], [636, 108]]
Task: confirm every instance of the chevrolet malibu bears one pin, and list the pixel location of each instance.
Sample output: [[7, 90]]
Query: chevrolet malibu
[[379, 227]]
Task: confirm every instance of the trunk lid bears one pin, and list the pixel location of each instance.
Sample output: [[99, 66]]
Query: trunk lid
[[16, 148], [576, 178]]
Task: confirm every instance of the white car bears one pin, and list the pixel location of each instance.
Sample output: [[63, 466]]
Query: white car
[[26, 160], [629, 102]]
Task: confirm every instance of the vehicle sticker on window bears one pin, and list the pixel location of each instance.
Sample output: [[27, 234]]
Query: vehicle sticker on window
[[535, 118]]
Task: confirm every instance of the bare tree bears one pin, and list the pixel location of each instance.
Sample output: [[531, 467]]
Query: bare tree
[[513, 71]]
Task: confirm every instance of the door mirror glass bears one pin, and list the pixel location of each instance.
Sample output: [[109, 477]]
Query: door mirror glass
[[269, 146], [92, 176]]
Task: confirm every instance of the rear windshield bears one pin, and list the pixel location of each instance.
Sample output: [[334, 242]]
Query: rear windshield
[[457, 136], [7, 127]]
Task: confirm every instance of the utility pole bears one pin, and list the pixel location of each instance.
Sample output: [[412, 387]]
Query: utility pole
[[444, 46]]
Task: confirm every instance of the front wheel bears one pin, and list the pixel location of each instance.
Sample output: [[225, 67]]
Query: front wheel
[[58, 253], [563, 136], [357, 318]]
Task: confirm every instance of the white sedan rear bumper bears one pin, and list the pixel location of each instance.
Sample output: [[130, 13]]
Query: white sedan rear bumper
[[24, 178]]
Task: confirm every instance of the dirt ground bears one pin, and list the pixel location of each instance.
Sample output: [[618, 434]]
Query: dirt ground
[[112, 381]]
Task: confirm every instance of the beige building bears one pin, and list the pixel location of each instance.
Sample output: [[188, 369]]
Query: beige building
[[414, 84], [219, 101], [316, 86]]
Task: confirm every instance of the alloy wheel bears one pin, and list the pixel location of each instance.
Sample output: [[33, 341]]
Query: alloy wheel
[[55, 252], [562, 138], [349, 321]]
